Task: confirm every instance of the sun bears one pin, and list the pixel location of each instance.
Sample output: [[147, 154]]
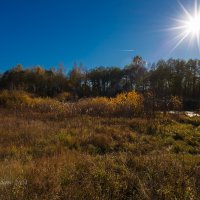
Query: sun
[[193, 25], [188, 26]]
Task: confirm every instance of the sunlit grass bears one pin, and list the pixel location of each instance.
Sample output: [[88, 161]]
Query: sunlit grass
[[98, 148]]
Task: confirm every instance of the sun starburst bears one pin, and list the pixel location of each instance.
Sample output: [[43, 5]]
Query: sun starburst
[[188, 26]]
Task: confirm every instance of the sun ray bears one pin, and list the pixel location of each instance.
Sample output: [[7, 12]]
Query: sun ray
[[176, 28], [180, 41], [185, 10], [188, 26]]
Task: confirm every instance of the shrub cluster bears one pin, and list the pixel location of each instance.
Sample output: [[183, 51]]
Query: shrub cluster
[[124, 104], [21, 100], [129, 104], [14, 98]]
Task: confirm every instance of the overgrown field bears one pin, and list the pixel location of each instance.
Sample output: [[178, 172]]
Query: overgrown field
[[48, 154]]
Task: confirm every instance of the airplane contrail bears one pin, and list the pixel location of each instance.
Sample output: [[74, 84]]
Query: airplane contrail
[[127, 50]]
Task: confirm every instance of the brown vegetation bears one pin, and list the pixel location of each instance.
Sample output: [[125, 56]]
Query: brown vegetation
[[98, 148]]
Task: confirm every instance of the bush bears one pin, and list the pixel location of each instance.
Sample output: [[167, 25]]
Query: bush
[[22, 100], [96, 106], [176, 103], [125, 104], [14, 98], [129, 104], [64, 97], [47, 105]]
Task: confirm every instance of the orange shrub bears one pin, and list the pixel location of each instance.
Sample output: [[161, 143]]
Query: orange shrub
[[21, 100], [125, 104], [129, 104]]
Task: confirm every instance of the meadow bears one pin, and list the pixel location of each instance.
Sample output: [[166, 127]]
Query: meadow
[[55, 150]]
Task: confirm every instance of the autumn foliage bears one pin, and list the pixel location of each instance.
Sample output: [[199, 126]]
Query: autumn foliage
[[124, 104], [127, 104]]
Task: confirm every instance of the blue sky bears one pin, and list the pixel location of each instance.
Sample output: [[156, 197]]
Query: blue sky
[[91, 32]]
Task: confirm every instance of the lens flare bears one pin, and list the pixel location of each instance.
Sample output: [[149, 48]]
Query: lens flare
[[188, 27]]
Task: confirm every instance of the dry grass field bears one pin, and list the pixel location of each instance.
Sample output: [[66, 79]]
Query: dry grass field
[[43, 156]]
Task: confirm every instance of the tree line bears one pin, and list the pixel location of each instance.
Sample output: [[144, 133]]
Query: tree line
[[158, 82]]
